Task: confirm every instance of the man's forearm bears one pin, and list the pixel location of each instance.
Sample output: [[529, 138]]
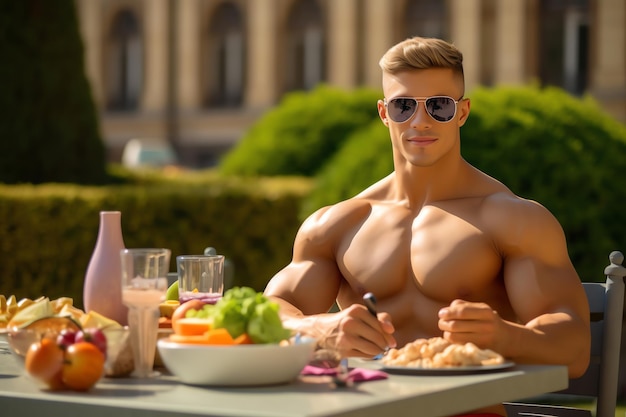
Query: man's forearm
[[556, 338]]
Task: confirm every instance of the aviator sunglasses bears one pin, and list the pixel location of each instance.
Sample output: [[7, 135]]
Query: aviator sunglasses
[[440, 108]]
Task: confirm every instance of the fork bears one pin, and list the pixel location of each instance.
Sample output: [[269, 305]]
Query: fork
[[370, 302]]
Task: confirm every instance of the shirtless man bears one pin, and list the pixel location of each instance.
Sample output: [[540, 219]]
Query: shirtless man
[[446, 249]]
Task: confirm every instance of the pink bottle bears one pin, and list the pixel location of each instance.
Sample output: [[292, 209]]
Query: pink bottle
[[102, 289]]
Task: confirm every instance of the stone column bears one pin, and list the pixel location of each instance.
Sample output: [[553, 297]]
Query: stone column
[[155, 57], [510, 45], [465, 31], [262, 54], [608, 60], [378, 38], [188, 54], [342, 43], [90, 21]]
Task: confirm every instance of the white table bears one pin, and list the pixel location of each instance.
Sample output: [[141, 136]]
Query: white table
[[400, 395]]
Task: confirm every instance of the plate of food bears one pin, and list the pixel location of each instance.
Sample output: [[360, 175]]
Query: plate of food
[[438, 356], [452, 370]]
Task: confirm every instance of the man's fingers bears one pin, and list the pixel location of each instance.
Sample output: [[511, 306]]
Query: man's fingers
[[464, 310]]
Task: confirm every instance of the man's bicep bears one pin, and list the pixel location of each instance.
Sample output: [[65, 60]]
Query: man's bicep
[[540, 277], [310, 286], [312, 280], [535, 288]]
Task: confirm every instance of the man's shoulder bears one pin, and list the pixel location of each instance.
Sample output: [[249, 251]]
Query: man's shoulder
[[341, 211], [329, 224], [508, 202], [354, 207], [511, 218]]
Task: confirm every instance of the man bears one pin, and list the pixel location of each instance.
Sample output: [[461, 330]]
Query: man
[[446, 249]]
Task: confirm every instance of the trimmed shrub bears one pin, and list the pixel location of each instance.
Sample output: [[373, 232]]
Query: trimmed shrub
[[544, 144], [49, 231], [365, 158], [564, 152], [299, 135], [49, 125]]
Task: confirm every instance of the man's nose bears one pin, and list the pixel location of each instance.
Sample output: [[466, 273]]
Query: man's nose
[[421, 117]]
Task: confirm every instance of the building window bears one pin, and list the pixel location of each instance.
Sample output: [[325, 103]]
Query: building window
[[225, 58], [124, 75], [564, 44], [305, 47], [426, 18]]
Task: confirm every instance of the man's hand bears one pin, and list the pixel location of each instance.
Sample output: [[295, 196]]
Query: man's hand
[[355, 332], [464, 321]]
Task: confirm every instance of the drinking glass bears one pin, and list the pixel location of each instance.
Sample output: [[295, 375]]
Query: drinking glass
[[200, 277], [144, 285]]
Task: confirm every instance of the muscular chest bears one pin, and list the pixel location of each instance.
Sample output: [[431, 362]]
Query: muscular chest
[[444, 254]]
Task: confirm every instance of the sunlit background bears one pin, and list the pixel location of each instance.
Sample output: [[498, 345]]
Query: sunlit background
[[195, 74]]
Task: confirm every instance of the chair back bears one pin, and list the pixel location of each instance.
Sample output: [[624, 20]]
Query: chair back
[[610, 336], [606, 305]]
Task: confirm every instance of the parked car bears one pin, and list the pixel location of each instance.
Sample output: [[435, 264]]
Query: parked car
[[146, 152]]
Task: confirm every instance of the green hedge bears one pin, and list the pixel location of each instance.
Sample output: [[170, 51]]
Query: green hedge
[[48, 232], [543, 143], [297, 136], [365, 158]]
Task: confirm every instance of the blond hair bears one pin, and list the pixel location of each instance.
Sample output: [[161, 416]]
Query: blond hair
[[422, 53]]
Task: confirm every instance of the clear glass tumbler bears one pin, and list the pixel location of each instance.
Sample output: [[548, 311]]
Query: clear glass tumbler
[[200, 277]]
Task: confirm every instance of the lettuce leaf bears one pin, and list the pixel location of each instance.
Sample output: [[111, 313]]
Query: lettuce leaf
[[265, 325], [243, 310]]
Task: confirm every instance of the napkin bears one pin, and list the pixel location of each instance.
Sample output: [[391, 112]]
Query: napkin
[[354, 374]]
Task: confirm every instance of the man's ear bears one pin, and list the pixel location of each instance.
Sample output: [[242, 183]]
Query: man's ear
[[382, 112], [463, 107]]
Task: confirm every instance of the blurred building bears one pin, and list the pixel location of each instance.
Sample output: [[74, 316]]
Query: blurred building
[[198, 73]]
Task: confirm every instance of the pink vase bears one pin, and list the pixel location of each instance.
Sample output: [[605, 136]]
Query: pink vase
[[102, 289]]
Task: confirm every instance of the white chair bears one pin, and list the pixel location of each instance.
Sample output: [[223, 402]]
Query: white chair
[[606, 301]]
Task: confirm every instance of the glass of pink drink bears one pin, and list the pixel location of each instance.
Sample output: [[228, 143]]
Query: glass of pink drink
[[144, 285], [200, 277]]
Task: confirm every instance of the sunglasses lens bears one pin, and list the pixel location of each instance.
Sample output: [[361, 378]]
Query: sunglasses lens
[[442, 109], [401, 109]]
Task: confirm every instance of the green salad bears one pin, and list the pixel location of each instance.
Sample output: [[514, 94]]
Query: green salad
[[244, 310]]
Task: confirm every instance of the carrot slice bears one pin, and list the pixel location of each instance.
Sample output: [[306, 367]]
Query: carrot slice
[[243, 339], [211, 337], [191, 326], [219, 337], [194, 340]]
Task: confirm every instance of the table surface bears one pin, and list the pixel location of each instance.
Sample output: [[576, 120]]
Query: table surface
[[399, 395]]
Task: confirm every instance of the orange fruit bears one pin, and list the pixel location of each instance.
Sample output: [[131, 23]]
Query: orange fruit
[[44, 360], [83, 366]]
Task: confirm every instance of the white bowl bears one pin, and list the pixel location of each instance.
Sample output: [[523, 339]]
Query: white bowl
[[241, 365]]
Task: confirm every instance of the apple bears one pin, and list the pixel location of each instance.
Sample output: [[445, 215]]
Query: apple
[[95, 336], [172, 291], [66, 338]]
